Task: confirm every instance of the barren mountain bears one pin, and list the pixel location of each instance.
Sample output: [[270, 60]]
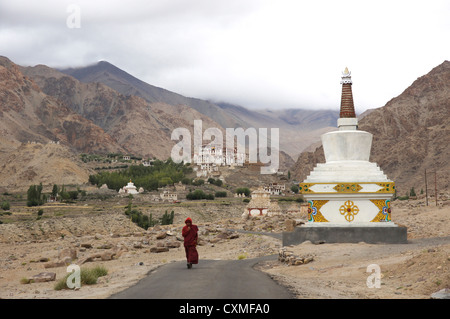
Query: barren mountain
[[126, 84], [141, 127], [411, 134], [34, 163], [298, 128], [28, 114]]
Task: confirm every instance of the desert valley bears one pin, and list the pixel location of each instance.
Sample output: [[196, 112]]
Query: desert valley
[[72, 140]]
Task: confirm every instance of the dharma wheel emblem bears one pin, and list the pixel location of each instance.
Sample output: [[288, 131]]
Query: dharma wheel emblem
[[349, 209]]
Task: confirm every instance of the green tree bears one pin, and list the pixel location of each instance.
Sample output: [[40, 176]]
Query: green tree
[[243, 190], [55, 190], [34, 197], [295, 189], [198, 182], [167, 219]]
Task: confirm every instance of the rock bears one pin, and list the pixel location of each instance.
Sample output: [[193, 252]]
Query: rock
[[43, 259], [441, 294], [107, 255], [223, 235], [54, 264], [161, 235], [68, 252], [137, 245], [104, 256], [86, 245], [173, 244], [159, 249], [106, 246], [43, 277]]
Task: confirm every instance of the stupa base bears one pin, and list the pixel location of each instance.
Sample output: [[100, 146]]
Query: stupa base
[[376, 234]]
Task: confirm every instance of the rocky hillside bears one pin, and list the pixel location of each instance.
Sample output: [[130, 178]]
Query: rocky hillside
[[28, 114], [34, 163], [298, 128], [126, 84], [141, 127], [411, 134]]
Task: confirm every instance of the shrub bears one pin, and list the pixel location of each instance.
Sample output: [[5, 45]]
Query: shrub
[[88, 277], [5, 205], [40, 213], [221, 194], [198, 182], [186, 181], [199, 194]]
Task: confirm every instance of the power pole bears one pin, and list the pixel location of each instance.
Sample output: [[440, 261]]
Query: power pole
[[435, 188], [426, 187]]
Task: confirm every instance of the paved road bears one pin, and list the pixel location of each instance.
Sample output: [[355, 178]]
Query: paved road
[[210, 279]]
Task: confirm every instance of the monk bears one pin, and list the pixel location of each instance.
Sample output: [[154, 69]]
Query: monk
[[190, 234]]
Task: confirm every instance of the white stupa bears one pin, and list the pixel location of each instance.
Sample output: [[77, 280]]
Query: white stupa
[[348, 191], [129, 189]]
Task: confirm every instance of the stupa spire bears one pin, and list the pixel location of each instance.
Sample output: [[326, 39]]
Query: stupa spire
[[347, 107]]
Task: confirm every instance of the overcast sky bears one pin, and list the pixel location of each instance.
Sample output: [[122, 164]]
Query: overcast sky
[[258, 54]]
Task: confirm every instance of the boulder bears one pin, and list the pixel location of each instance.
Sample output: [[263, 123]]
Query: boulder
[[68, 252], [43, 277], [159, 249], [173, 244], [441, 294], [137, 244], [161, 235]]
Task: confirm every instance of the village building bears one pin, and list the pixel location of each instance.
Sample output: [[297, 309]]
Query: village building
[[275, 188], [169, 196], [208, 158]]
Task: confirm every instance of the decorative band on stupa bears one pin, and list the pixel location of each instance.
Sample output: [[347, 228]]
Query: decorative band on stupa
[[347, 107]]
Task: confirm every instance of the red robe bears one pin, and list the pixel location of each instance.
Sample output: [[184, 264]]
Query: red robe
[[190, 241]]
